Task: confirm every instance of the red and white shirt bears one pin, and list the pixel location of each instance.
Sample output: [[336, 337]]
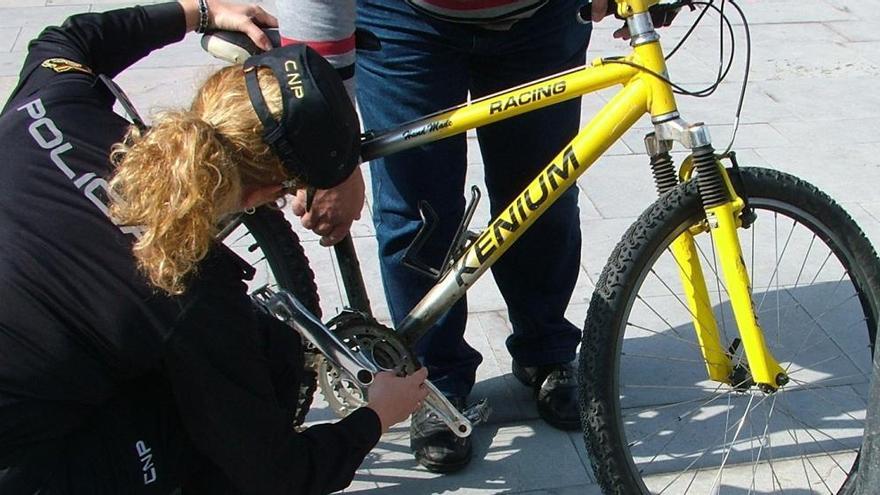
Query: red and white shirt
[[328, 26], [478, 11]]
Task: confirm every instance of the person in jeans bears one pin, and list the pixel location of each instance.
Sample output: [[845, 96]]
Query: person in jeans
[[435, 54], [132, 359]]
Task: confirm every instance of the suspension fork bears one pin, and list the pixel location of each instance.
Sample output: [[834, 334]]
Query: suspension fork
[[722, 207], [696, 294]]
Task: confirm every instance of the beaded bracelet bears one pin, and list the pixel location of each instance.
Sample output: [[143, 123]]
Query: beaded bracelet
[[203, 16]]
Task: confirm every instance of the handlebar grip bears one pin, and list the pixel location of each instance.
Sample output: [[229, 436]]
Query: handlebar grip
[[234, 46]]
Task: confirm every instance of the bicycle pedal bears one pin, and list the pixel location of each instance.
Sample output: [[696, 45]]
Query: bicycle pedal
[[478, 412]]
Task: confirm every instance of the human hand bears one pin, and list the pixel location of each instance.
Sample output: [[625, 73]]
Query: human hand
[[603, 8], [333, 210], [394, 398], [228, 16], [600, 9]]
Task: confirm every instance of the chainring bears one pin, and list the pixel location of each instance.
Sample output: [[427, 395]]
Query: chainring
[[376, 342]]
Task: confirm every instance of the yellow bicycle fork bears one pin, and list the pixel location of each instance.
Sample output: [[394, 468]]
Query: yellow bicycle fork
[[722, 222]]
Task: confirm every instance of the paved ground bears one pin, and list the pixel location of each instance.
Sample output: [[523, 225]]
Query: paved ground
[[811, 109]]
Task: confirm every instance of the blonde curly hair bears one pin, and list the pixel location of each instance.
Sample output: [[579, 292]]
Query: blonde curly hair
[[178, 179]]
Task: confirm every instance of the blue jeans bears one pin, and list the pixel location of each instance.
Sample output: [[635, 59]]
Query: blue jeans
[[427, 65]]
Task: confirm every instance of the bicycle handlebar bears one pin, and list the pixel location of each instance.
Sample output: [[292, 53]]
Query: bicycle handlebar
[[662, 14], [235, 47]]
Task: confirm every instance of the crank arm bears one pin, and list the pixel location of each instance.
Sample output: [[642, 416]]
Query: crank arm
[[451, 417], [285, 307]]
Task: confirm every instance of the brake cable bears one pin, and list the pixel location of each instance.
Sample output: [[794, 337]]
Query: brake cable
[[722, 70]]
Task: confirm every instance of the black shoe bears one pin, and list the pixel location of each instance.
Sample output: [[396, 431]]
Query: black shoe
[[556, 392], [434, 445]]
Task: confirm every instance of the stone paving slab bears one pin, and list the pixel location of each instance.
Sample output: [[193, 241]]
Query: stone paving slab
[[507, 463], [810, 109], [37, 15]]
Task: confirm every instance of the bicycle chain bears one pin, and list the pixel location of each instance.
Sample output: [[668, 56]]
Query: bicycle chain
[[308, 385]]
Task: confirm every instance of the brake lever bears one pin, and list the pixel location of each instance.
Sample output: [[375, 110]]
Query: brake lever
[[662, 14]]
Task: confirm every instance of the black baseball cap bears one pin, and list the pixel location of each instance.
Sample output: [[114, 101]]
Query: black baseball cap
[[318, 135]]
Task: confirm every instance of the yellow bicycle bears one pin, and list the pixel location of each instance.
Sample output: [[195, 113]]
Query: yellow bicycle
[[730, 336]]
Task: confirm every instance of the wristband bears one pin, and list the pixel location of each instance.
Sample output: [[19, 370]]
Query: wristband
[[203, 17]]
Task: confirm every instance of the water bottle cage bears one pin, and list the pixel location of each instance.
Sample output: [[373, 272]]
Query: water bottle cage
[[460, 242]]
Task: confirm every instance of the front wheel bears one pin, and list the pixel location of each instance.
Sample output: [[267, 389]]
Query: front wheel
[[654, 422]]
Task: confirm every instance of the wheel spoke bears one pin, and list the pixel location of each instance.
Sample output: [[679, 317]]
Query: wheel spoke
[[662, 334], [769, 442], [821, 267], [677, 298], [811, 387], [809, 458], [719, 283], [804, 264], [637, 410], [815, 344], [818, 325], [664, 358], [825, 311], [808, 427], [839, 388], [710, 447], [687, 413], [665, 387], [817, 363], [680, 417], [740, 424], [337, 275]]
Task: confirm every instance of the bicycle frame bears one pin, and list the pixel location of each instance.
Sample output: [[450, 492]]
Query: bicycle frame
[[641, 93]]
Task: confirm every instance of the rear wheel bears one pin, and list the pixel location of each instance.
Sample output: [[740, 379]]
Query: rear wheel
[[653, 421], [268, 243]]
